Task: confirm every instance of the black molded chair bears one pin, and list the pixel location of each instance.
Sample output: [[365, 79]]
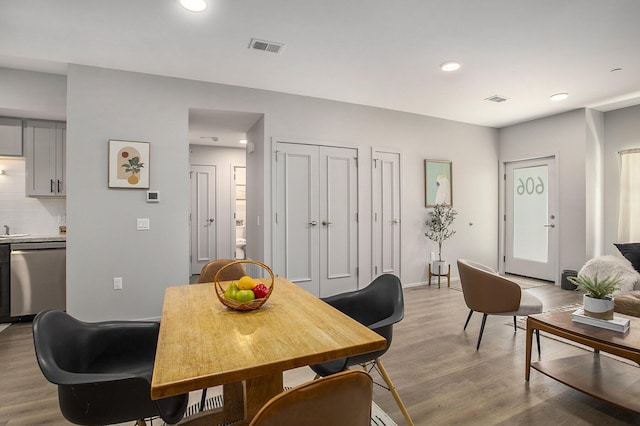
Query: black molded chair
[[103, 370], [378, 306]]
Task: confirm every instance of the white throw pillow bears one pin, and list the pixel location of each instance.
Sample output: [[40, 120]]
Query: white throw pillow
[[605, 266]]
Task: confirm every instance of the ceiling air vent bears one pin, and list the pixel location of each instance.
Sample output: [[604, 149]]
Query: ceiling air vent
[[266, 46], [496, 98]]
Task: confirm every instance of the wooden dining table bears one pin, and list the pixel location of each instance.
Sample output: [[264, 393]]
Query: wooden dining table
[[202, 344]]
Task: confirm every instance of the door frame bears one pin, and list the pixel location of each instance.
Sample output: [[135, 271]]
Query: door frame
[[502, 228], [192, 203], [374, 152]]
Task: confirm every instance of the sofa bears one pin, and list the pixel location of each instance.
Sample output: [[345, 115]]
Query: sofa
[[627, 268]]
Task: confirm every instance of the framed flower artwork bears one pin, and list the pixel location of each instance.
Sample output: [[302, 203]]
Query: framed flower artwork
[[128, 164]]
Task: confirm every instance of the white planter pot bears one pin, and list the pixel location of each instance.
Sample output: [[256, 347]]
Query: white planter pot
[[439, 267], [598, 308]]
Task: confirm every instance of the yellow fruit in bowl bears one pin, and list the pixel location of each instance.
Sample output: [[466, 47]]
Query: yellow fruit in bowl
[[246, 283]]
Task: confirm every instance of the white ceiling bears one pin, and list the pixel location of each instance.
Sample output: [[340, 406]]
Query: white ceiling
[[383, 53]]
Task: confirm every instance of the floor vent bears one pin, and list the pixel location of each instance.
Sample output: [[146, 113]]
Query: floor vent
[[266, 46], [496, 98]]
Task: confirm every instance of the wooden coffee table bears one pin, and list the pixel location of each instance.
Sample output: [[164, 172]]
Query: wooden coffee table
[[599, 376]]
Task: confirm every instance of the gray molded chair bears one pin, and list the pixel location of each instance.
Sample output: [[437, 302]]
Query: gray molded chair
[[378, 306], [492, 294], [103, 370]]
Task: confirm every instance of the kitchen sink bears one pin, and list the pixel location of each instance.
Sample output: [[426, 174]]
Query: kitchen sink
[[12, 235]]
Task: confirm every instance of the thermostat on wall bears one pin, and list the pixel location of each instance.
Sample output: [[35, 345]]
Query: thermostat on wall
[[153, 196]]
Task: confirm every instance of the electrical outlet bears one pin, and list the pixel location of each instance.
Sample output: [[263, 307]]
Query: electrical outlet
[[117, 283], [433, 255]]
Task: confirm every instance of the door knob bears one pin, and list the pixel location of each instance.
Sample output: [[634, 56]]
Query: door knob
[[313, 223], [550, 225], [395, 221], [325, 223]]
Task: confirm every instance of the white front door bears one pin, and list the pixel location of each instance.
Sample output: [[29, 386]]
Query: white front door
[[531, 215], [316, 217], [203, 216], [386, 213]]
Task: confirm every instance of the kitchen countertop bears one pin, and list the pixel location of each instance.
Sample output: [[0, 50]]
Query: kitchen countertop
[[33, 238]]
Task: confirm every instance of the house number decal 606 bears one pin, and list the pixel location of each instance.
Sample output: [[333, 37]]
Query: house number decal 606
[[530, 186]]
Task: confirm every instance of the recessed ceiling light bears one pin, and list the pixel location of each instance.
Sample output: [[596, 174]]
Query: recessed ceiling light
[[194, 5], [559, 97], [450, 66], [243, 141]]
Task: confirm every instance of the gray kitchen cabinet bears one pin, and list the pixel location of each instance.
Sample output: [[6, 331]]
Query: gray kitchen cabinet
[[10, 137], [45, 153]]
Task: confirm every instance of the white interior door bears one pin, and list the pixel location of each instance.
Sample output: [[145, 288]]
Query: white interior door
[[203, 216], [531, 246], [297, 215], [316, 217], [338, 220], [386, 213]]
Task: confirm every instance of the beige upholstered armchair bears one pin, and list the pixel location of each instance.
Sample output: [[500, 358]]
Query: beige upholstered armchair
[[492, 294]]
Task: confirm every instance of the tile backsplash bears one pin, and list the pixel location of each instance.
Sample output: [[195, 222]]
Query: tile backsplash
[[26, 215]]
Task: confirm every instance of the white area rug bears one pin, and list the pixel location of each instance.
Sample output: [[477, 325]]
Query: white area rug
[[3, 327], [378, 417]]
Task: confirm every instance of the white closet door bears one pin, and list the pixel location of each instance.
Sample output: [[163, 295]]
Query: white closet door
[[316, 217], [297, 215], [386, 213], [338, 220]]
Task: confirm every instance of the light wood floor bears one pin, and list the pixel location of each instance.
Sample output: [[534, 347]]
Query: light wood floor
[[442, 379]]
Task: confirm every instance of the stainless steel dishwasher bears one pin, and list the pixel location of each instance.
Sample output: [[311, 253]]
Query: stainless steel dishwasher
[[38, 277]]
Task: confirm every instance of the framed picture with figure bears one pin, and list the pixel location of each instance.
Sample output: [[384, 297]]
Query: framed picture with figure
[[438, 183]]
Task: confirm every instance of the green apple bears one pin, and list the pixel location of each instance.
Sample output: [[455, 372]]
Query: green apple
[[245, 296]]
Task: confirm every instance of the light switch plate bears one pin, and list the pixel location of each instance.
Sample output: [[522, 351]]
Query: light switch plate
[[143, 224]]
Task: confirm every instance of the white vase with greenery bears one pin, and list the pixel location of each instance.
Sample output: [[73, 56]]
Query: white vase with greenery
[[598, 300], [439, 230]]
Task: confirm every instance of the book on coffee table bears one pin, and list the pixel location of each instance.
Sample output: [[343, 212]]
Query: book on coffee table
[[615, 324]]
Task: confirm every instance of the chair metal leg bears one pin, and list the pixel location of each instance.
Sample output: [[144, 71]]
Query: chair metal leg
[[515, 329], [394, 392], [203, 398], [468, 318], [484, 320], [538, 341]]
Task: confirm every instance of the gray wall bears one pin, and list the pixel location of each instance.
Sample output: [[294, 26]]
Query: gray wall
[[32, 94], [622, 131], [103, 243], [564, 136]]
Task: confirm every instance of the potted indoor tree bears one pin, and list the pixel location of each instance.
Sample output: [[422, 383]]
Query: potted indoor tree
[[598, 300], [439, 230]]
